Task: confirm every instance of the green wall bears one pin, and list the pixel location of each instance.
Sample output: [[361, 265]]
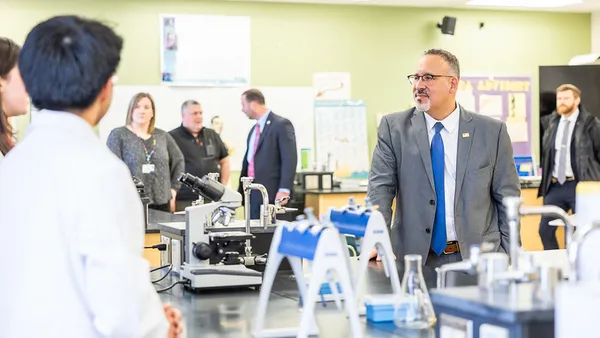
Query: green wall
[[379, 46]]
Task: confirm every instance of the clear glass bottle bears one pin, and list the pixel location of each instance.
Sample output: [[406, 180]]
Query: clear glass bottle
[[413, 309]]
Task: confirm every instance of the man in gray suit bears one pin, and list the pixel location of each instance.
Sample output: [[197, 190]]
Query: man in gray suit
[[448, 169]]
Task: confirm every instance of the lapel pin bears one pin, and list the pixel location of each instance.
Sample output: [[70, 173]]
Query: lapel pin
[[268, 122], [464, 135]]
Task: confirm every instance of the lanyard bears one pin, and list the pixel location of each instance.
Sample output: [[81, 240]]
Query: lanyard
[[149, 155]]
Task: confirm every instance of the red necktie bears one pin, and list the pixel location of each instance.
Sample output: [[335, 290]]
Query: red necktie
[[256, 138]]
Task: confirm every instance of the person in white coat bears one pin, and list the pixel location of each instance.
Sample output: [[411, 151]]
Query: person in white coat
[[68, 207]]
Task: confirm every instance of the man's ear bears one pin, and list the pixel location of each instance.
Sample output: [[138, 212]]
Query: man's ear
[[453, 85], [106, 91]]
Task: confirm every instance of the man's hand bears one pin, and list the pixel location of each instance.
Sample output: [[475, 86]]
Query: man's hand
[[175, 324], [374, 254], [172, 201], [280, 195]]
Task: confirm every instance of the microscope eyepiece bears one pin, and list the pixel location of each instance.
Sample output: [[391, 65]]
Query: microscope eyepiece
[[205, 186]]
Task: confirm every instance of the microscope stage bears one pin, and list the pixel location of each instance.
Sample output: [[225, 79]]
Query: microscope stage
[[230, 236], [220, 276], [235, 225]]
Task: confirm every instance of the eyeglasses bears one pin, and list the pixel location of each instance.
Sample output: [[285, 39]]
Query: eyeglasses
[[427, 77]]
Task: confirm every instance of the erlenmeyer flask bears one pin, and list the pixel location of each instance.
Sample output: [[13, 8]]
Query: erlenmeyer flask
[[413, 309]]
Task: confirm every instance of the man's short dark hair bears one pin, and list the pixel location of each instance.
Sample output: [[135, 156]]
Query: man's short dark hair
[[189, 103], [450, 59], [66, 61], [254, 95]]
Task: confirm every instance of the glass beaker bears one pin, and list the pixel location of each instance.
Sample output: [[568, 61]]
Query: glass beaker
[[413, 309]]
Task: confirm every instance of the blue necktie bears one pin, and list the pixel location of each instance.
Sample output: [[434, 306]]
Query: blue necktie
[[438, 238]]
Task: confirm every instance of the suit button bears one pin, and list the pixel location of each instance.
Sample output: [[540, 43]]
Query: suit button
[[432, 202], [428, 230]]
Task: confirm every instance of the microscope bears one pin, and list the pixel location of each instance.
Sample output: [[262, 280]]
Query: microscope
[[141, 189], [213, 255]]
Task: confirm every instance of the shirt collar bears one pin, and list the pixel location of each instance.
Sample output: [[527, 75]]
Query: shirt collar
[[261, 121], [572, 118], [189, 133], [450, 122], [60, 120]]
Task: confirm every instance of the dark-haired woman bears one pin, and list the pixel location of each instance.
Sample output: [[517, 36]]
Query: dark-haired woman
[[14, 100]]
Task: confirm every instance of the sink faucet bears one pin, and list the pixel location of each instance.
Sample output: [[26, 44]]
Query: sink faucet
[[513, 216], [514, 211], [277, 208], [573, 250], [468, 266], [523, 274], [248, 186]]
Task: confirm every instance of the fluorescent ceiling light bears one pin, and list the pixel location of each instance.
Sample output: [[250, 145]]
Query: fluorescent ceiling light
[[524, 3]]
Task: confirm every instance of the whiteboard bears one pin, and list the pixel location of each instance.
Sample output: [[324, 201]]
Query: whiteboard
[[341, 129], [205, 50], [294, 103]]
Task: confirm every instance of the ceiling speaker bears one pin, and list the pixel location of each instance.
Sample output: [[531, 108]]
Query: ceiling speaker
[[447, 25]]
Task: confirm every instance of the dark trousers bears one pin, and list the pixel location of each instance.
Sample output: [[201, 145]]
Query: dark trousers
[[162, 207], [562, 196], [180, 205], [453, 279]]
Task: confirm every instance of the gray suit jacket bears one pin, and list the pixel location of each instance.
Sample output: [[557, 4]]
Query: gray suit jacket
[[485, 174]]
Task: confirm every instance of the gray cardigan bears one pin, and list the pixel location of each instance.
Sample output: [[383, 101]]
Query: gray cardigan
[[167, 159]]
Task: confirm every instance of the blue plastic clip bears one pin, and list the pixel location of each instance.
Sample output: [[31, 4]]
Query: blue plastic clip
[[299, 244], [350, 222]]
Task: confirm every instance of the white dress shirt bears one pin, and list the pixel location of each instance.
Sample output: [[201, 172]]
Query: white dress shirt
[[450, 138], [73, 232], [557, 144]]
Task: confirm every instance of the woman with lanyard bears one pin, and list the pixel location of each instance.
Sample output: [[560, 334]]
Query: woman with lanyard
[[14, 100], [150, 153]]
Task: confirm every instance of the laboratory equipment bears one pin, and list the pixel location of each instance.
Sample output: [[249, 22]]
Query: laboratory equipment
[[519, 300], [321, 245], [312, 180], [379, 308], [367, 224], [212, 258], [141, 189], [413, 309], [472, 265]]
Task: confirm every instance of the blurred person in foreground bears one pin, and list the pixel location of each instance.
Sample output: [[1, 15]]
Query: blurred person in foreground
[[87, 276]]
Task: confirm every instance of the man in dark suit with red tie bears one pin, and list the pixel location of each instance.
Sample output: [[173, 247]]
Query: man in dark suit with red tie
[[271, 156]]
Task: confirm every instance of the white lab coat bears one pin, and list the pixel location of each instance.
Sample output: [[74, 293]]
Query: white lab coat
[[72, 224]]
